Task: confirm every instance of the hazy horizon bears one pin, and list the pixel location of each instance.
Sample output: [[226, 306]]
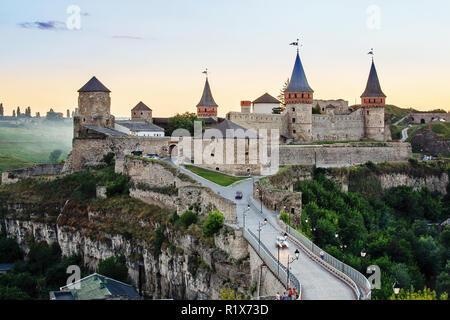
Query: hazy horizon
[[155, 52]]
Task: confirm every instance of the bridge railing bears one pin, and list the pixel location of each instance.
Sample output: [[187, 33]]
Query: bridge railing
[[278, 269], [359, 280]]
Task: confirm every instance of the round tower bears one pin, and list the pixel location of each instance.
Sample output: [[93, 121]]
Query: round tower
[[373, 102], [298, 97], [94, 107]]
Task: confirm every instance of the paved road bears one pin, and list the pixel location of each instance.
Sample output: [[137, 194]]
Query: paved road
[[317, 283], [405, 134]]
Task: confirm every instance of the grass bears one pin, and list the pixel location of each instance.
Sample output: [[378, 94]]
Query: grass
[[396, 132], [396, 112], [28, 144], [216, 177]]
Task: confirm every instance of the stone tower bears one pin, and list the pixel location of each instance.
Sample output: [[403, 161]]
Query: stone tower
[[298, 97], [207, 107], [141, 113], [94, 107], [373, 102], [2, 111]]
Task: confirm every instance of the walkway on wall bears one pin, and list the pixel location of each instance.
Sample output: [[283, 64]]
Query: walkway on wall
[[317, 282]]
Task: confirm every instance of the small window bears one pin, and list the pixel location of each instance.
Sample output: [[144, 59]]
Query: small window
[[217, 169], [294, 131], [292, 210], [293, 120], [293, 109]]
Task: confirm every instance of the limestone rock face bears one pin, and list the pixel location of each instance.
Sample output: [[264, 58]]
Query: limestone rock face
[[426, 141], [190, 269]]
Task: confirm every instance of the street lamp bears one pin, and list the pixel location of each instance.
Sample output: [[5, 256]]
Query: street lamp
[[244, 215], [396, 288], [260, 225], [363, 253], [336, 235], [297, 255]]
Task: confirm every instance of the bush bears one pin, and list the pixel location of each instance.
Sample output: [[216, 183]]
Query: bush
[[118, 187], [213, 223], [188, 218], [413, 161], [109, 158], [9, 251], [115, 268]]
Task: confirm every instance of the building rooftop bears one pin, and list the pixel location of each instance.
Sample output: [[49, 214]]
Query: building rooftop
[[373, 88], [6, 266], [106, 131], [94, 85], [207, 99], [266, 98], [98, 287], [224, 125], [141, 107], [298, 81], [139, 126]]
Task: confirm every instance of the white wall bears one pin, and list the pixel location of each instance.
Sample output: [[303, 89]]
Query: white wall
[[264, 107]]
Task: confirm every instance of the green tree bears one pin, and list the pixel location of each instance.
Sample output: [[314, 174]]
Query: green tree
[[13, 293], [188, 218], [316, 109], [54, 155], [9, 251], [443, 280], [213, 223], [412, 294], [183, 121], [114, 267]]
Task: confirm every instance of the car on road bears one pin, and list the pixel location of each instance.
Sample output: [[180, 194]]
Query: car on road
[[282, 242], [239, 195]]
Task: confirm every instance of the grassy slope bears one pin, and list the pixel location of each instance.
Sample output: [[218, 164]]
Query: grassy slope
[[25, 145], [216, 177]]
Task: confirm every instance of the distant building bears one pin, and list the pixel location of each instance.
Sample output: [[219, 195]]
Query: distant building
[[141, 113], [139, 128], [1, 110], [52, 115], [96, 287]]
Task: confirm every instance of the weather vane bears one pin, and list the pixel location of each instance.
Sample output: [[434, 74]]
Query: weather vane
[[297, 44], [206, 72], [371, 53]]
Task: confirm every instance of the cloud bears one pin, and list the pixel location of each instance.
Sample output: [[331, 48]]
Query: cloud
[[128, 37], [44, 25]]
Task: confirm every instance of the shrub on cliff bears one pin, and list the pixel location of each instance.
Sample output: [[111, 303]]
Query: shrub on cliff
[[188, 218], [114, 267], [118, 187], [213, 223], [109, 158]]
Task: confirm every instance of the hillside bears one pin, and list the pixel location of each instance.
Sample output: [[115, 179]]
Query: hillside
[[432, 138], [27, 144]]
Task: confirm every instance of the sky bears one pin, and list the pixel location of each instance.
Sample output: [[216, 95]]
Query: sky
[[155, 51]]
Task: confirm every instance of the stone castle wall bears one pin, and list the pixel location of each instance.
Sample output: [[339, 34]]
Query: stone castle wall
[[344, 154], [417, 117], [338, 127], [189, 195], [88, 152], [256, 121], [47, 169]]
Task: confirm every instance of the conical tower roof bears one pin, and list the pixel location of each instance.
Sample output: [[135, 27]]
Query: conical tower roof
[[373, 88], [94, 85], [207, 98], [298, 82]]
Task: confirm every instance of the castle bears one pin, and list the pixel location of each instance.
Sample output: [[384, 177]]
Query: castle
[[96, 131], [336, 121]]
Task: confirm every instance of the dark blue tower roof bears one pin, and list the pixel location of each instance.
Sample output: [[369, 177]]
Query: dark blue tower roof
[[373, 88], [207, 98], [298, 82]]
